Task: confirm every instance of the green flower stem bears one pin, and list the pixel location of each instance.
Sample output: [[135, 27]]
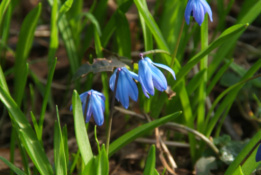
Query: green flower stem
[[111, 114], [202, 87]]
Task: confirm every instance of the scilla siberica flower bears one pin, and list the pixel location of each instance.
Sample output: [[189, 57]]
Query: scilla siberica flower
[[126, 87], [95, 106], [197, 9], [150, 76]]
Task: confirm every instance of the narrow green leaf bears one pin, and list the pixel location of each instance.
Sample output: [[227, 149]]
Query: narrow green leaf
[[151, 161], [139, 131], [103, 162], [27, 135], [195, 82], [59, 151], [24, 45], [80, 130], [65, 7], [246, 158], [3, 6], [12, 166], [54, 38]]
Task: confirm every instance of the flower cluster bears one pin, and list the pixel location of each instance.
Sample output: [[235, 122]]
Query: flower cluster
[[123, 80]]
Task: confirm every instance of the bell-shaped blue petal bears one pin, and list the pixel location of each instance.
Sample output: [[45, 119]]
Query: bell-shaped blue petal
[[150, 76], [197, 9], [94, 101], [258, 154], [126, 87]]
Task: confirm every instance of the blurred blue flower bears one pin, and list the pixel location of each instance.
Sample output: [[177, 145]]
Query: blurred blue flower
[[126, 87], [150, 76], [258, 154], [95, 106], [197, 9]]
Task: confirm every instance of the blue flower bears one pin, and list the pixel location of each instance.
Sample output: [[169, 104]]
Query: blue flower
[[197, 8], [126, 87], [150, 76], [94, 101], [258, 154]]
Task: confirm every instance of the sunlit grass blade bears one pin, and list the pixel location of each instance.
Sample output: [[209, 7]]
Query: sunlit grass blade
[[59, 151], [12, 166], [54, 38], [224, 37], [24, 45], [151, 161], [80, 130], [3, 6], [195, 82], [65, 143], [139, 131], [246, 158], [27, 135], [65, 7]]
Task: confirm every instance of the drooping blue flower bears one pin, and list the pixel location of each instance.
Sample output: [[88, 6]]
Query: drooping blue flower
[[197, 9], [126, 87], [95, 103], [150, 76], [258, 154]]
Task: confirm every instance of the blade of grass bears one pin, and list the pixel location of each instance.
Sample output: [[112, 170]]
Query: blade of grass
[[24, 45], [80, 130], [151, 161], [59, 151], [3, 6], [203, 84]]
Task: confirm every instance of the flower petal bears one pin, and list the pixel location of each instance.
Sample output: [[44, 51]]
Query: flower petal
[[159, 79], [97, 110], [188, 11], [166, 68], [145, 76], [207, 9]]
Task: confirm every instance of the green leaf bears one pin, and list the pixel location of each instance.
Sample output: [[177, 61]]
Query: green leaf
[[28, 138], [12, 166], [151, 161], [24, 45], [54, 38], [139, 131], [65, 7], [246, 158], [80, 130], [3, 6], [59, 151], [103, 162]]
